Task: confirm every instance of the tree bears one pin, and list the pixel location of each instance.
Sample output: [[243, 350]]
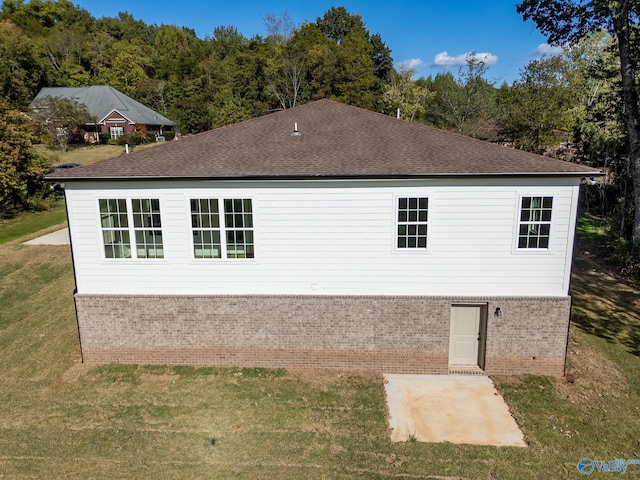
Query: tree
[[285, 74], [464, 103], [406, 95], [280, 28], [61, 117], [337, 23], [537, 109], [382, 61], [567, 21], [22, 69], [319, 56], [355, 79], [21, 168], [128, 69]]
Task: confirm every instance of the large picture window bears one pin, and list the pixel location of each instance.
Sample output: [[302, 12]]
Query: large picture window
[[413, 214], [123, 220], [534, 227], [229, 231]]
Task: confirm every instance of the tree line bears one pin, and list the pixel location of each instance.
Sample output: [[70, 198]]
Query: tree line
[[199, 83], [576, 105]]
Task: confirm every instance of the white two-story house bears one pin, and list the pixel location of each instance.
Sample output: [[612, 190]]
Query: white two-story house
[[330, 236]]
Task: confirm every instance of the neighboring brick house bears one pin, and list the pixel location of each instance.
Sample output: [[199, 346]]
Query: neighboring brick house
[[115, 113], [326, 235]]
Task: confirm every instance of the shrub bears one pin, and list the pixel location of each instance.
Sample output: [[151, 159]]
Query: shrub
[[168, 136], [132, 139]]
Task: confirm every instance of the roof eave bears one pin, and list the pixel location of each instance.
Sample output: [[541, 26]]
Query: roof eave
[[392, 176]]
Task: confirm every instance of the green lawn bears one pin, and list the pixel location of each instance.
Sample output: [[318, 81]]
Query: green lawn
[[62, 419], [86, 154], [28, 223]]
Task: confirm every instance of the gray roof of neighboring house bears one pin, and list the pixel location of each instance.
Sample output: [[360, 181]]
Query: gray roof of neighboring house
[[335, 141], [101, 100]]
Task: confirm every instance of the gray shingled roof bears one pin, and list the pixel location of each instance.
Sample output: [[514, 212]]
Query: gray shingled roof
[[101, 100], [335, 140]]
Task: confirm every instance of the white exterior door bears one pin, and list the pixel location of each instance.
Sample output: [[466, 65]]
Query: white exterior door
[[465, 335]]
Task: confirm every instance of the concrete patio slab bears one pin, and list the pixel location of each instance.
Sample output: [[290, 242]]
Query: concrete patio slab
[[460, 409], [60, 237]]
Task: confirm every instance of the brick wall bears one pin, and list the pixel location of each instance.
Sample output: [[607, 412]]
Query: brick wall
[[389, 334]]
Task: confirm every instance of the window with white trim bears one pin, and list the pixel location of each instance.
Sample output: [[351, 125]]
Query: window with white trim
[[534, 226], [116, 132], [205, 222], [229, 231], [115, 228], [123, 220], [147, 227], [413, 214]]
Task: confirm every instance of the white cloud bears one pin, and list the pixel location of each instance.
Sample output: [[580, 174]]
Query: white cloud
[[546, 49], [443, 59], [412, 63]]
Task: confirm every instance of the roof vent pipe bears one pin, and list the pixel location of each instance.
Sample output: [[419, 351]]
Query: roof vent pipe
[[295, 132], [398, 114]]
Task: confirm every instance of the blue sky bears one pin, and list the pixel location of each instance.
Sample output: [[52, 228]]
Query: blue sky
[[430, 36]]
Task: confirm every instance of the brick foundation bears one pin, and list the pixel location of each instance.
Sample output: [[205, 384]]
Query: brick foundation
[[388, 334]]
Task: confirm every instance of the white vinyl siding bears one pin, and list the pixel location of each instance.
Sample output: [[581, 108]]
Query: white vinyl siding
[[336, 238]]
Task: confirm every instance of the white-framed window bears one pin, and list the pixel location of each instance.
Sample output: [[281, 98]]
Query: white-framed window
[[114, 222], [122, 220], [226, 233], [116, 131], [412, 222], [147, 227], [205, 222], [534, 225]]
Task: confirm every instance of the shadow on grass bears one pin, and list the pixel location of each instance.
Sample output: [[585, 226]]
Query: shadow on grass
[[604, 307]]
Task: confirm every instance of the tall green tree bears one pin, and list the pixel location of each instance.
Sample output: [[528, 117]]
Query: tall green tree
[[537, 109], [355, 79], [21, 167], [337, 23], [567, 21], [319, 60]]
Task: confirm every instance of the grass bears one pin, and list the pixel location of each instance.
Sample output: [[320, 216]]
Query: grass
[[28, 223], [62, 419], [86, 154], [610, 249]]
